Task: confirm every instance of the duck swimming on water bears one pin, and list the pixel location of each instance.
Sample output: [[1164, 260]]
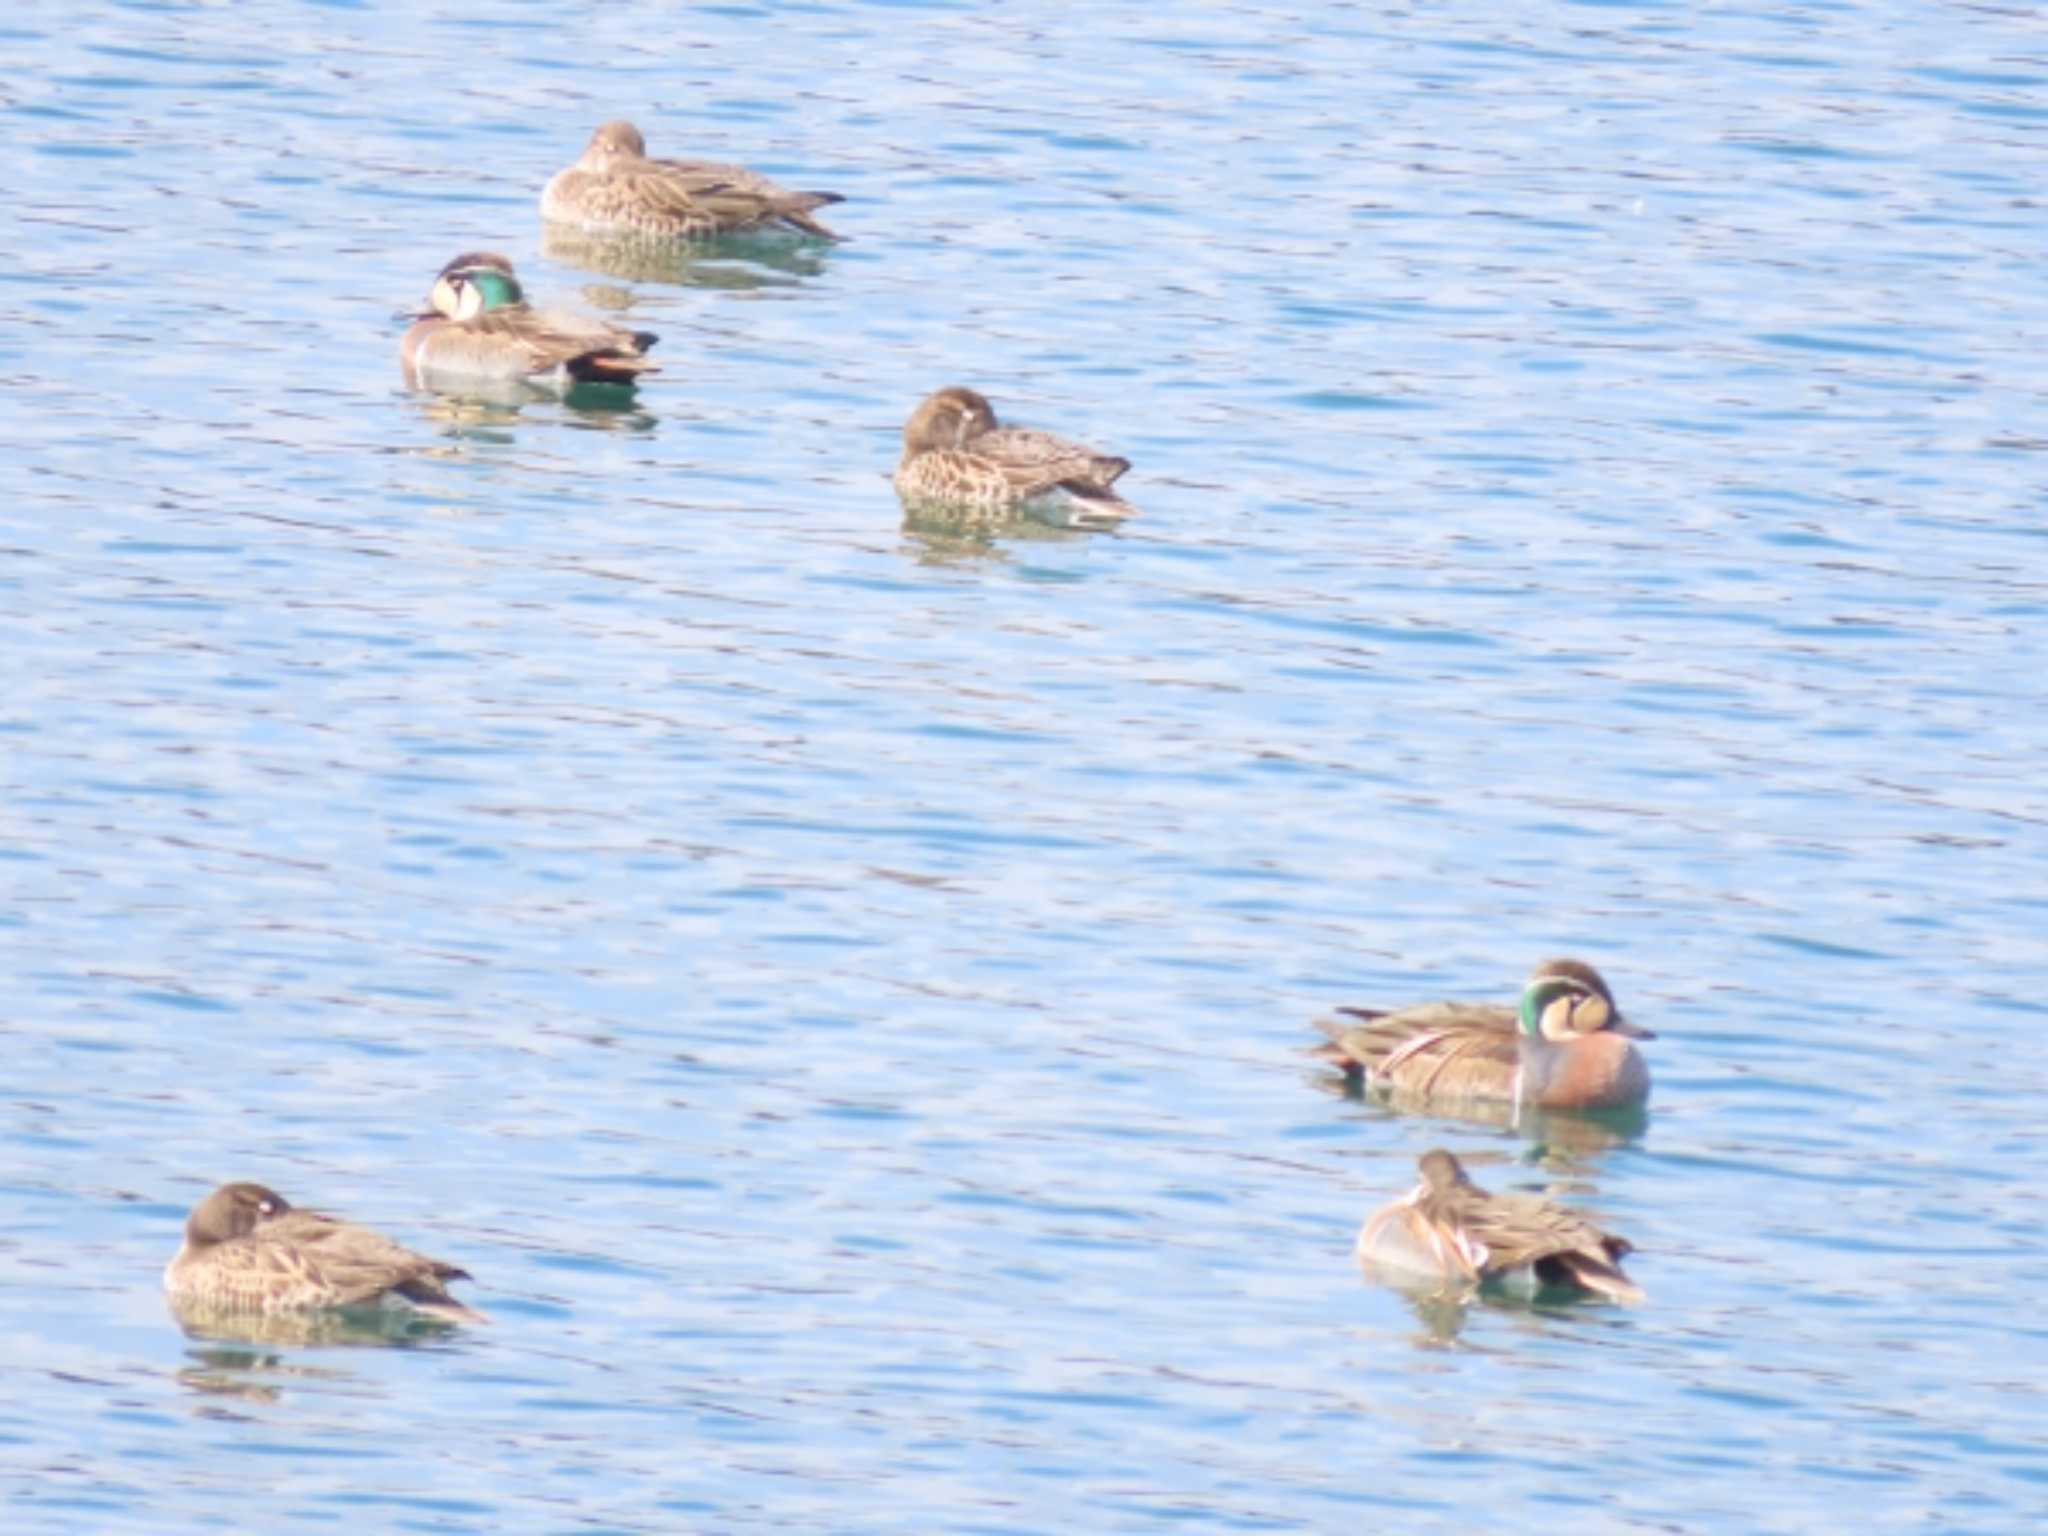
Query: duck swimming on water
[[248, 1249]]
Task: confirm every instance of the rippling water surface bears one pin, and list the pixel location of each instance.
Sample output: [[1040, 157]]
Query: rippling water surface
[[841, 986]]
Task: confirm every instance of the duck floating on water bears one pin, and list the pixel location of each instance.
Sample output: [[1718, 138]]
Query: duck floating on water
[[1564, 1046], [1449, 1230], [478, 329], [957, 458], [248, 1249], [615, 189]]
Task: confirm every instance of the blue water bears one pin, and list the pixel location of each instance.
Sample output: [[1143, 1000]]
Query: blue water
[[841, 988]]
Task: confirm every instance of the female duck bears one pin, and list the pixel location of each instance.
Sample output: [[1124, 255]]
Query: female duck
[[615, 189], [1566, 1047], [956, 458], [1450, 1230], [247, 1249], [479, 329]]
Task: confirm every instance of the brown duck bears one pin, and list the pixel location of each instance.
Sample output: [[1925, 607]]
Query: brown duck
[[1566, 1046], [248, 1249], [1450, 1230], [615, 189], [958, 458]]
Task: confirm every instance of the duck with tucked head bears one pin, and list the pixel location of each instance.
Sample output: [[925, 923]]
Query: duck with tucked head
[[248, 1249], [1449, 1230], [1566, 1046], [479, 329], [614, 189], [958, 459]]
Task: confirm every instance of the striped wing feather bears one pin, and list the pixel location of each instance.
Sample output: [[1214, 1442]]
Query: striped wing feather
[[593, 352], [752, 197], [695, 197], [309, 1253], [637, 192], [1560, 1245], [1435, 1048], [1043, 461]]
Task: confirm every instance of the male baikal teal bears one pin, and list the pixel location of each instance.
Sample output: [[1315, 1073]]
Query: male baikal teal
[[1566, 1046], [478, 329]]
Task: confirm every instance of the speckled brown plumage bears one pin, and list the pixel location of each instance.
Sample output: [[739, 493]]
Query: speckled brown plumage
[[615, 188], [957, 456], [248, 1249], [1449, 1229]]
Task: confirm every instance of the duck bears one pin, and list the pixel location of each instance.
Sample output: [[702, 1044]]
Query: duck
[[615, 189], [958, 458], [1565, 1046], [248, 1249], [479, 329], [1449, 1230]]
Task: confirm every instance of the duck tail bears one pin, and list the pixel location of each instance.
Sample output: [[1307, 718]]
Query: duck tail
[[449, 1310], [609, 367], [1106, 467], [796, 209], [1597, 1276], [428, 1294], [1096, 506], [1332, 1049]]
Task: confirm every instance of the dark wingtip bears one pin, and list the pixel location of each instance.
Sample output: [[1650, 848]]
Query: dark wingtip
[[1332, 1050], [608, 368], [1589, 1275], [1329, 1051]]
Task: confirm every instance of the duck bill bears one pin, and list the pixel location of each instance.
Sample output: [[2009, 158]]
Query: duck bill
[[1622, 1026]]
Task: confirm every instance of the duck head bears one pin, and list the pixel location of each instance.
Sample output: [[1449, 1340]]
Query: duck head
[[472, 283], [1442, 1172], [612, 143], [950, 418], [232, 1211], [1567, 1000]]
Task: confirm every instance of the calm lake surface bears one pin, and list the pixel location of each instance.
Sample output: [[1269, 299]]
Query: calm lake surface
[[841, 988]]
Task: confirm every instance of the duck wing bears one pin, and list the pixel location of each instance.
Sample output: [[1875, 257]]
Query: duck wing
[[1041, 458], [714, 182], [587, 349], [1562, 1246], [694, 198], [349, 1265], [1430, 1048]]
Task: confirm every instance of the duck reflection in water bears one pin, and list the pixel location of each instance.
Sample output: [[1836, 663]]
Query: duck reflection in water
[[1555, 1138], [733, 263], [497, 413]]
